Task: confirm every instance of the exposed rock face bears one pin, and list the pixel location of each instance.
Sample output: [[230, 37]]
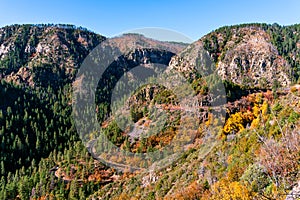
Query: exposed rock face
[[23, 76], [253, 61], [246, 56], [37, 42], [146, 56], [193, 61], [25, 48]]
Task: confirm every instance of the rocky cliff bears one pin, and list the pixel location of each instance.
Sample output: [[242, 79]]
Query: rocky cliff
[[249, 58], [246, 57], [28, 51]]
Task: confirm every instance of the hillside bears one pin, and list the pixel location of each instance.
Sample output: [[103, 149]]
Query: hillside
[[256, 55], [245, 139]]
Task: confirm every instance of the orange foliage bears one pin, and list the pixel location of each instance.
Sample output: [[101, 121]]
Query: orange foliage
[[193, 191]]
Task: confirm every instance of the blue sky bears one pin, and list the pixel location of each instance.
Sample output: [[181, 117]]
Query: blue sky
[[193, 18]]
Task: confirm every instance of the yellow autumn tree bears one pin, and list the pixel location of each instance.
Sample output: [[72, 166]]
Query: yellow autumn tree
[[225, 190], [265, 110], [237, 121], [234, 123], [260, 112]]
